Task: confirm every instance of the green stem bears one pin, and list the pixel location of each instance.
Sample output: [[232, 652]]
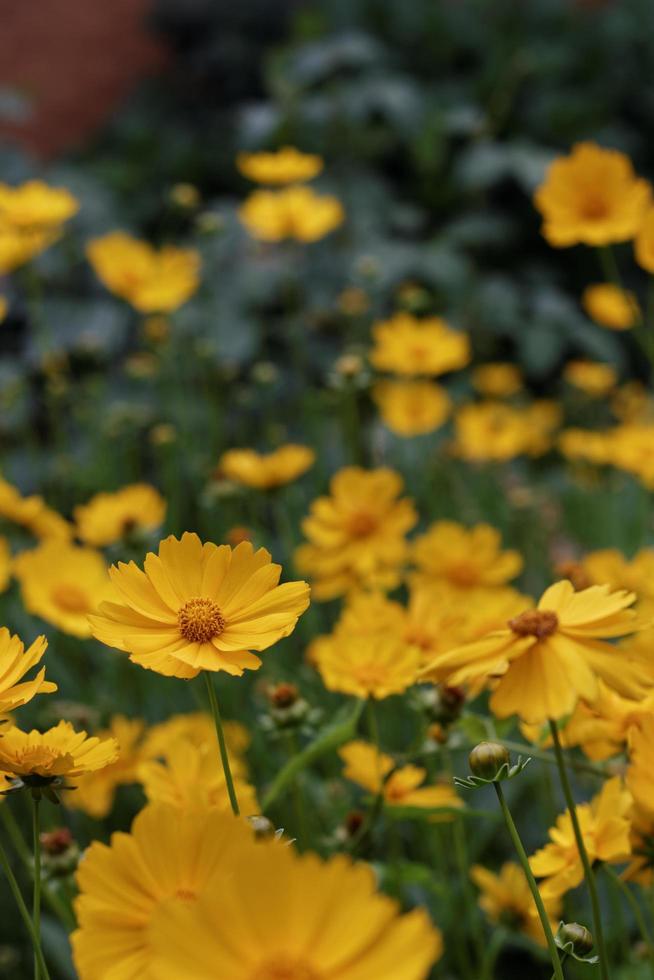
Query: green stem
[[224, 756], [492, 952], [36, 906], [634, 905], [24, 912], [583, 854], [533, 887]]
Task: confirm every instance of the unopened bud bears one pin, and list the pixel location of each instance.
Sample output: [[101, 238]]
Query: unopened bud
[[579, 936], [487, 758]]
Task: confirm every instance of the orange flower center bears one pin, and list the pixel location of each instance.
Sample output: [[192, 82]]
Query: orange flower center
[[70, 598], [463, 573], [594, 208], [186, 894], [200, 620], [285, 968], [535, 622], [370, 675], [362, 524]]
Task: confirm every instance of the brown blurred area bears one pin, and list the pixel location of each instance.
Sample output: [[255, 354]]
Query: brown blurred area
[[67, 65]]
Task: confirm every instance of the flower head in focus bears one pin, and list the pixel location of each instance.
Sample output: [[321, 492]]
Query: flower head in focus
[[263, 471], [110, 517], [15, 662], [284, 166]]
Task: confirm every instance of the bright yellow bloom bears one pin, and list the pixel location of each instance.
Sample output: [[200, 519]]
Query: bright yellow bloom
[[400, 786], [605, 828], [32, 513], [199, 607], [644, 243], [610, 567], [295, 212], [602, 729], [412, 408], [365, 667], [585, 445], [95, 792], [291, 917], [266, 470], [149, 280], [591, 197], [357, 534], [610, 306], [492, 431], [408, 346], [18, 246], [15, 661], [62, 584], [198, 728], [549, 657], [59, 753], [640, 773], [591, 377], [34, 206], [464, 557], [497, 379], [507, 901], [110, 517], [286, 166], [170, 857]]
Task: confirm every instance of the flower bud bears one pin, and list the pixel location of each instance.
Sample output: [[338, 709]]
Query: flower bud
[[263, 828], [579, 936], [487, 758]]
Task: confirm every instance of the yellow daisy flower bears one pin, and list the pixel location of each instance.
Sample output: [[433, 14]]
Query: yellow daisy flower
[[411, 408], [199, 607], [409, 346], [285, 166], [497, 379], [610, 306], [18, 246], [463, 557], [644, 243], [109, 517], [264, 471], [610, 567], [492, 431], [32, 513], [35, 206], [295, 212], [95, 792], [591, 377], [373, 667], [199, 729], [15, 661], [640, 775], [507, 901], [61, 753]]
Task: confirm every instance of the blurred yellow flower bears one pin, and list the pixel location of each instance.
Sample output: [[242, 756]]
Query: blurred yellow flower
[[641, 867], [95, 792], [401, 785], [585, 445], [35, 206], [284, 166], [464, 557], [492, 431], [61, 753], [149, 280], [409, 346], [644, 243], [4, 308], [610, 567], [497, 379], [295, 212], [5, 564], [640, 772], [62, 583], [610, 306], [591, 377], [591, 197], [364, 666], [411, 408], [199, 607], [507, 901], [32, 513], [199, 729], [15, 662], [603, 729], [357, 534], [264, 471], [110, 517], [605, 829], [631, 448], [632, 402]]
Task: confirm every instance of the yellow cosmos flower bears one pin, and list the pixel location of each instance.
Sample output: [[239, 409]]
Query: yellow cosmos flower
[[640, 776], [169, 858], [408, 346], [366, 667], [356, 536], [18, 246], [585, 445], [95, 792], [294, 917], [266, 470], [592, 378], [610, 306], [610, 567], [296, 212], [199, 607], [149, 280], [591, 197], [549, 657], [507, 901], [605, 828], [15, 662], [464, 557], [32, 513], [285, 166], [199, 729], [644, 243], [399, 785], [35, 206], [497, 379], [60, 753], [492, 431], [62, 584], [412, 408], [604, 728], [109, 517]]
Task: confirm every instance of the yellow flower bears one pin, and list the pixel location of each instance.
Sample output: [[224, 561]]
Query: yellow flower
[[198, 728], [266, 470], [169, 858], [401, 785], [507, 901], [610, 567], [464, 557], [549, 657], [585, 445], [408, 346], [610, 306], [295, 212], [373, 667], [149, 280], [294, 917], [605, 829], [15, 661], [487, 431], [34, 206], [94, 793], [357, 534], [60, 753], [5, 564], [285, 166], [632, 402], [4, 308], [199, 607], [18, 246], [62, 584], [591, 197], [631, 448], [592, 378], [602, 729], [32, 513], [411, 408], [640, 775], [109, 517], [497, 379], [641, 868], [644, 243]]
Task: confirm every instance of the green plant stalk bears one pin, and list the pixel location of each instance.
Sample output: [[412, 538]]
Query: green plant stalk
[[24, 913], [36, 905], [224, 755], [296, 791], [533, 887], [632, 901], [493, 950], [583, 854]]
